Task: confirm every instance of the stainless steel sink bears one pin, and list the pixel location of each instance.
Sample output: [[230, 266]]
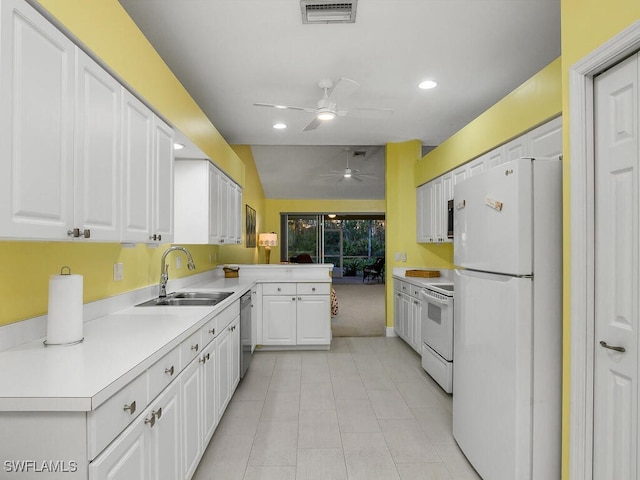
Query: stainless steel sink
[[186, 299]]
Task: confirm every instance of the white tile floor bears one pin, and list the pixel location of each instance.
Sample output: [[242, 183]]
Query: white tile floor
[[363, 411]]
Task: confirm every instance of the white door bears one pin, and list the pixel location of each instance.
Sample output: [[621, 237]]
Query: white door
[[616, 273], [191, 421], [492, 373], [278, 320], [162, 204], [165, 436]]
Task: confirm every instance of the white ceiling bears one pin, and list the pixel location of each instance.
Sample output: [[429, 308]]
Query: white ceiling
[[230, 54]]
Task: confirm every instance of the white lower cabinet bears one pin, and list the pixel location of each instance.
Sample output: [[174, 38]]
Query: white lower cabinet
[[149, 448], [167, 440], [296, 314], [407, 313]]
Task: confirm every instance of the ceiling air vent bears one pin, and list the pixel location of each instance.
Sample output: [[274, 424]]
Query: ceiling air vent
[[328, 11]]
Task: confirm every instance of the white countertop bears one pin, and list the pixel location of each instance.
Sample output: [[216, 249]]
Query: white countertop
[[446, 276], [117, 348]]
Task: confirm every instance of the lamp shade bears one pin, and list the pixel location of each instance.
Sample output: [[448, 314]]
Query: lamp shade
[[268, 239]]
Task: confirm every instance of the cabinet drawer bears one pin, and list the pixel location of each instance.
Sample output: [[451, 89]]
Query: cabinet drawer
[[190, 348], [314, 288], [279, 289], [110, 418], [227, 316], [163, 372], [415, 291], [209, 331]]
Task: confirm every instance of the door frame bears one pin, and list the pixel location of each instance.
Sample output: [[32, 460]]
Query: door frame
[[581, 168]]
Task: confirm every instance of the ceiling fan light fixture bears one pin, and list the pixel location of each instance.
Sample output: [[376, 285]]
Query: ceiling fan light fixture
[[427, 84], [325, 115], [347, 173], [279, 126]]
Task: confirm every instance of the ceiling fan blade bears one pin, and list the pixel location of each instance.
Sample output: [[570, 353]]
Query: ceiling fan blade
[[284, 107], [342, 90], [315, 123], [356, 178]]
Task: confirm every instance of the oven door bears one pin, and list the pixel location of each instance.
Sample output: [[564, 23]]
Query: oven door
[[437, 322]]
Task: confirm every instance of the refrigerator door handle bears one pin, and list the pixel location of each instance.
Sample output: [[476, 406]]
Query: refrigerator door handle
[[617, 349]]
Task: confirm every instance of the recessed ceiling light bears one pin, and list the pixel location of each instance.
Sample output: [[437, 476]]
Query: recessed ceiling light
[[427, 84], [178, 146], [282, 107], [279, 126]]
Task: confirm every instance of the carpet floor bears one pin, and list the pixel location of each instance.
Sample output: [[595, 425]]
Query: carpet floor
[[361, 310]]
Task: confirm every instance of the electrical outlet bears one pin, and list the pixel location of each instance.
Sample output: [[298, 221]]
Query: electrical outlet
[[397, 256], [178, 262], [404, 256], [118, 269]]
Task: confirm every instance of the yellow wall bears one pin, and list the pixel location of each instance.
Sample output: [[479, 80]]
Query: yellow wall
[[585, 26], [105, 28]]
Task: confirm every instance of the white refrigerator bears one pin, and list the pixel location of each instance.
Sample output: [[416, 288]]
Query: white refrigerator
[[508, 320]]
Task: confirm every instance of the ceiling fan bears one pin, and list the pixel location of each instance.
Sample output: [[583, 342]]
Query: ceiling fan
[[327, 107], [348, 173]]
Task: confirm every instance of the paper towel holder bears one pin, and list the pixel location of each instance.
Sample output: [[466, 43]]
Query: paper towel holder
[[62, 272]]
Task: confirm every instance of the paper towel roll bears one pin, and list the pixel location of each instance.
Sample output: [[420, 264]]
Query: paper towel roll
[[64, 320]]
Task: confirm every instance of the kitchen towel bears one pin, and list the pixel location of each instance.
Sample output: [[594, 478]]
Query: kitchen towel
[[64, 319]]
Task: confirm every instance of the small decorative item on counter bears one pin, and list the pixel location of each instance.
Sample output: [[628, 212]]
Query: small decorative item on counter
[[64, 318], [422, 273], [231, 271]]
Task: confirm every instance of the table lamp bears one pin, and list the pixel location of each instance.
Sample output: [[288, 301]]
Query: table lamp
[[267, 240]]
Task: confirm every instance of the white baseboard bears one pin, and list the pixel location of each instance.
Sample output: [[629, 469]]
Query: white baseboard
[[391, 332]]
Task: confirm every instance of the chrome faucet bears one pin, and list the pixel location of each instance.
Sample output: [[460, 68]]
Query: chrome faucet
[[164, 268]]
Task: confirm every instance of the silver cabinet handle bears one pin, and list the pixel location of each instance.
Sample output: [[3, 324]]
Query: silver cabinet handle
[[195, 347], [313, 289], [169, 371], [212, 331], [279, 289], [150, 421], [204, 358], [299, 298], [158, 413], [617, 349], [131, 408]]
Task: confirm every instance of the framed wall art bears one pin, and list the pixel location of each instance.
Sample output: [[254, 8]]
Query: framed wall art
[[250, 228]]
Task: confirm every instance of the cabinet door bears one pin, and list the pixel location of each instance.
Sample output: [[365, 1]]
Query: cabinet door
[[36, 115], [162, 204], [223, 373], [493, 158], [459, 174], [424, 209], [166, 436], [447, 194], [278, 320], [209, 407], [313, 320], [98, 151], [234, 358], [415, 324], [214, 205], [137, 125], [438, 233], [126, 458], [223, 208], [546, 140], [516, 148], [476, 166], [192, 421]]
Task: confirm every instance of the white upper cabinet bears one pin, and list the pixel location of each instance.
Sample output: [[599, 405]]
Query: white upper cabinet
[[432, 197], [82, 157], [207, 204], [98, 152], [163, 182], [36, 114], [546, 140], [137, 165]]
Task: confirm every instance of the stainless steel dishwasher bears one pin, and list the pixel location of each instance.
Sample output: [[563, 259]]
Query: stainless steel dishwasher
[[245, 333]]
